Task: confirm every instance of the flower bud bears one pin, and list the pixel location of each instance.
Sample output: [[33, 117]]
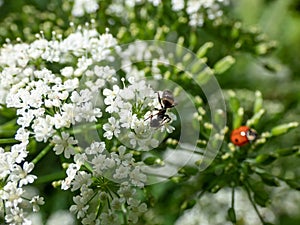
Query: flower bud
[[224, 64], [283, 128]]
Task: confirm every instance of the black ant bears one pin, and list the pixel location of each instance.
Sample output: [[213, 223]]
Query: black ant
[[166, 102]]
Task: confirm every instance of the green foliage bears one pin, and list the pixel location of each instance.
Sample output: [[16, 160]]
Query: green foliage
[[260, 92]]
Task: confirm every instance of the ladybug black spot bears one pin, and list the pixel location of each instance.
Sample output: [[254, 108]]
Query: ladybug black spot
[[236, 140]]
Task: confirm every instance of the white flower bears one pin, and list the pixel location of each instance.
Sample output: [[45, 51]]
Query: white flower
[[80, 159], [43, 128], [90, 219], [113, 104], [84, 6], [127, 93], [67, 71], [71, 84], [95, 148], [26, 117], [155, 2], [15, 216], [136, 208], [126, 118], [82, 97], [121, 172], [117, 203], [177, 5], [67, 114], [6, 163], [64, 143], [138, 178], [71, 173], [80, 179], [80, 208], [101, 163], [87, 112], [126, 191], [36, 201], [111, 128], [82, 65], [124, 157], [21, 175], [12, 195], [59, 216], [104, 72], [109, 218], [22, 135], [18, 152], [111, 93]]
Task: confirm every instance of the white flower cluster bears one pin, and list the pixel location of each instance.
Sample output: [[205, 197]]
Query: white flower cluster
[[108, 183], [129, 110], [81, 7], [41, 96], [16, 176], [212, 209], [197, 10], [56, 86]]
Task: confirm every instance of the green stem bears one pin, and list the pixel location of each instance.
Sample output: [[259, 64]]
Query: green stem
[[124, 218], [4, 208], [84, 128], [8, 141], [42, 153], [247, 188], [50, 177], [232, 198], [200, 194]]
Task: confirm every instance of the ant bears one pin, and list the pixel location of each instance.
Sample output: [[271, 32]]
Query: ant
[[166, 102]]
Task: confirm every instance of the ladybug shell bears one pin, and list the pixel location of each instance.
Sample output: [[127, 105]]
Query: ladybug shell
[[243, 135]]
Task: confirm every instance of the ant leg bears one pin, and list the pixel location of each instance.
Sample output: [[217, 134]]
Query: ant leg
[[151, 116], [166, 119], [159, 100]]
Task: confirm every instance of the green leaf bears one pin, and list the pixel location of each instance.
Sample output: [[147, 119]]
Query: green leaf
[[224, 64], [188, 170], [187, 58], [295, 184], [255, 118], [193, 40], [283, 128], [179, 46], [258, 103], [287, 151], [265, 159], [203, 49], [238, 118], [204, 75], [269, 179], [179, 179], [234, 102], [262, 198], [187, 204], [231, 215], [152, 160]]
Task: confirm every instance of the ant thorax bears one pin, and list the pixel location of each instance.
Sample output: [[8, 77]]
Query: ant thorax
[[161, 117]]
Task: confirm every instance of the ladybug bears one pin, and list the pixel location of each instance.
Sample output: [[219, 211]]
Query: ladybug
[[243, 135]]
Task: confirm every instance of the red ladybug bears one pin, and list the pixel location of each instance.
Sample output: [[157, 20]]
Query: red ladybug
[[243, 135]]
